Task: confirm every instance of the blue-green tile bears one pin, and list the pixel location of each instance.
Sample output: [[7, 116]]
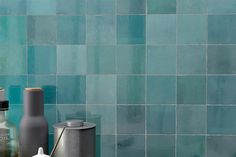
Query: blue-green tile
[[71, 59], [41, 7], [42, 29], [105, 146], [131, 59], [12, 7], [50, 142], [103, 117], [130, 119], [221, 90], [161, 29], [15, 114], [48, 83], [191, 89], [192, 29], [220, 120], [192, 6], [130, 145], [221, 29], [131, 29], [12, 60], [101, 89], [161, 6], [191, 146], [41, 59], [71, 89], [50, 115], [95, 7], [68, 112], [160, 119], [130, 89], [12, 30], [101, 30], [71, 29], [131, 6], [191, 59], [161, 60], [221, 6], [72, 7], [160, 146], [221, 59], [98, 59], [191, 119]]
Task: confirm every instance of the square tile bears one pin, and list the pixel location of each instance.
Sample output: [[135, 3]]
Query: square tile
[[72, 7], [161, 29], [192, 6], [12, 7], [161, 60], [131, 29], [161, 6], [71, 59], [68, 112], [221, 6], [42, 29], [95, 7], [105, 146], [131, 119], [130, 89], [71, 90], [131, 6], [101, 30], [161, 89], [50, 115], [98, 59], [41, 7], [71, 29], [15, 114], [192, 29], [101, 89], [131, 59], [191, 89], [160, 119], [42, 60]]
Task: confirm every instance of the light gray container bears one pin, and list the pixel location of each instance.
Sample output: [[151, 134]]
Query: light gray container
[[77, 140]]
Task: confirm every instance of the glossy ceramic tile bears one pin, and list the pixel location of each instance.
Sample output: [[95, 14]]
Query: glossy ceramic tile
[[69, 111], [71, 7], [100, 7], [221, 6], [131, 6], [105, 146], [12, 7], [161, 29], [41, 7], [50, 115], [192, 6], [15, 114], [161, 6], [131, 59]]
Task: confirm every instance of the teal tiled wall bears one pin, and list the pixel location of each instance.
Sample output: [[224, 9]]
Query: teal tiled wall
[[156, 76]]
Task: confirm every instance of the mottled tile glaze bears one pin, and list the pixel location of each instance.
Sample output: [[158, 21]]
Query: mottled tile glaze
[[95, 7], [131, 6], [12, 7], [105, 146], [221, 6], [161, 6], [192, 6], [72, 7], [41, 7], [70, 111]]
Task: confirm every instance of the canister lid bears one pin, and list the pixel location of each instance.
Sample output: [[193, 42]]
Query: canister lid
[[75, 124]]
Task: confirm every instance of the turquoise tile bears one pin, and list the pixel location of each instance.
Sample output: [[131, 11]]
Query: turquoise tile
[[12, 7], [131, 59], [72, 7], [161, 6], [98, 57], [41, 29], [103, 117], [101, 30], [48, 83], [221, 90], [192, 6], [131, 6], [131, 119], [161, 60], [71, 59], [50, 115], [191, 119], [161, 89], [191, 59], [221, 6], [105, 146], [130, 145], [192, 29], [191, 89], [220, 120], [95, 7], [130, 89], [160, 119], [41, 7], [131, 29], [50, 142], [12, 30], [12, 60], [68, 112], [14, 87], [15, 114], [222, 32], [160, 146], [101, 89], [221, 59], [161, 29], [191, 146], [71, 89], [41, 59], [71, 29]]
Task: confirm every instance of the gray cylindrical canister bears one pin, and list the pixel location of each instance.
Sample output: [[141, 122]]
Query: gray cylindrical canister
[[78, 139], [33, 126]]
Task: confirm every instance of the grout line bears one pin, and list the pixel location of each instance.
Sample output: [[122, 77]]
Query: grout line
[[176, 81], [145, 87]]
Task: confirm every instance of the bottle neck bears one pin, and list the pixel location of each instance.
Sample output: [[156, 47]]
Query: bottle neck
[[2, 116]]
